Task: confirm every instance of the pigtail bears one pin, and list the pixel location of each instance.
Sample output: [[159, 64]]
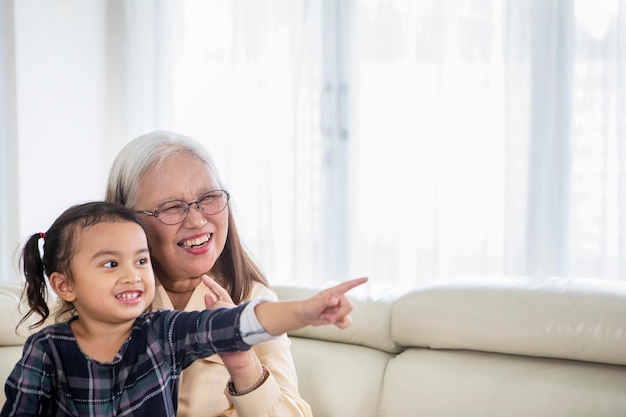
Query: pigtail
[[36, 289]]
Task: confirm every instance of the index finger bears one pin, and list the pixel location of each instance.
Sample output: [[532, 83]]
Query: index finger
[[211, 284], [346, 286]]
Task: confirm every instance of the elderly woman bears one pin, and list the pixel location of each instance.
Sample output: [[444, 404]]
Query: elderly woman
[[171, 180]]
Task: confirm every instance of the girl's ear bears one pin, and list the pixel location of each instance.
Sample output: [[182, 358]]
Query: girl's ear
[[62, 286]]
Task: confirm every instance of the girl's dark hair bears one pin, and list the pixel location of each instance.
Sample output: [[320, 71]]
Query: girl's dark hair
[[58, 251]]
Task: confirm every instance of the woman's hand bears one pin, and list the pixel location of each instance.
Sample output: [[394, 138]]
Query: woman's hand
[[244, 367], [218, 297]]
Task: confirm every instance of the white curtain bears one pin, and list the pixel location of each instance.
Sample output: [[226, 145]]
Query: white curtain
[[483, 136], [496, 131], [246, 80], [404, 140]]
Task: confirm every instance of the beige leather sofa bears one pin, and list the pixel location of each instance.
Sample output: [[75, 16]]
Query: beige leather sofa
[[473, 346]]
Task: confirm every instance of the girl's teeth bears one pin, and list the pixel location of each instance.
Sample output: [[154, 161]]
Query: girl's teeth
[[128, 296]]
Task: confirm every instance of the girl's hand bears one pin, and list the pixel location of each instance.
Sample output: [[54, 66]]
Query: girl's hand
[[331, 306]]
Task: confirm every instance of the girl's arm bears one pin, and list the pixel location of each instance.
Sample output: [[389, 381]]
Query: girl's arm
[[330, 306]]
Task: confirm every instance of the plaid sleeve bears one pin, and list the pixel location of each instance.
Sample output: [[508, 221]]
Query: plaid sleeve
[[199, 334], [30, 385]]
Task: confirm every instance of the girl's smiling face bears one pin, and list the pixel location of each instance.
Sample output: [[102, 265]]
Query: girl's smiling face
[[111, 275], [191, 248]]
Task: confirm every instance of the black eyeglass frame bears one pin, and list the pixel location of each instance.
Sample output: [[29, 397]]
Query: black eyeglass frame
[[155, 212]]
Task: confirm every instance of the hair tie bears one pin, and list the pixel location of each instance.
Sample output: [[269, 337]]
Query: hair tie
[[42, 235]]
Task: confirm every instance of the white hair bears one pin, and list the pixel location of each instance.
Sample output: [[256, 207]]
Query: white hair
[[145, 152]]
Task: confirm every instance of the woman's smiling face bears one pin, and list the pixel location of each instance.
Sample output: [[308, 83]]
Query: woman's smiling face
[[190, 248]]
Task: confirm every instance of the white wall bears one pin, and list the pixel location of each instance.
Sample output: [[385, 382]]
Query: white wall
[[8, 145], [61, 90]]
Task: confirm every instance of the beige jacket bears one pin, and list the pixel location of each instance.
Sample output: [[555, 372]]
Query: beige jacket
[[203, 391]]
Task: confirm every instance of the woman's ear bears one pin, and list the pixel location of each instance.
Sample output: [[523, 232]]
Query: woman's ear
[[62, 286]]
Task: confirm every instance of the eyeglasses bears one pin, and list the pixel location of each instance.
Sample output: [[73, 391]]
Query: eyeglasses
[[176, 211]]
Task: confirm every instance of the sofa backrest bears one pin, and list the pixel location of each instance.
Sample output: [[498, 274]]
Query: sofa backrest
[[577, 319]]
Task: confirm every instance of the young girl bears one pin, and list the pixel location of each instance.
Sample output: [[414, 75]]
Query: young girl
[[114, 357]]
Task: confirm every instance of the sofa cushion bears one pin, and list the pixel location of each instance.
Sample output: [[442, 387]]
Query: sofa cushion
[[339, 379], [453, 383]]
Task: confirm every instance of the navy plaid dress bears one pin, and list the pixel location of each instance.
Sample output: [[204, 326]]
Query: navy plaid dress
[[54, 378]]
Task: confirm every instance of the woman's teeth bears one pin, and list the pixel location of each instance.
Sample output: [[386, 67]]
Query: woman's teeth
[[192, 243]]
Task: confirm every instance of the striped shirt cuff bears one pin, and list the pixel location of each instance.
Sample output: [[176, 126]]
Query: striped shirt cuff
[[252, 333]]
